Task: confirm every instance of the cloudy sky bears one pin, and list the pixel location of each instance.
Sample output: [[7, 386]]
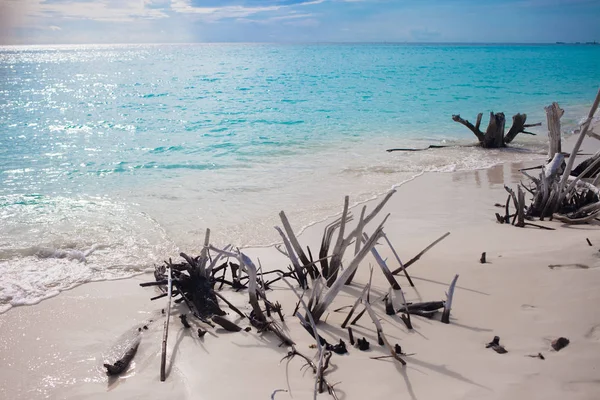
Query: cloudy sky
[[160, 21]]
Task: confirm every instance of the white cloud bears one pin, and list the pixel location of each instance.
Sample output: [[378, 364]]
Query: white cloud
[[217, 13], [99, 10]]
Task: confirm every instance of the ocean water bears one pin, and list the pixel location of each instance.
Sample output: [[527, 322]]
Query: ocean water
[[113, 158]]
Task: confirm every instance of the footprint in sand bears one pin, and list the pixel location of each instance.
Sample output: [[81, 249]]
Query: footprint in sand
[[594, 333]]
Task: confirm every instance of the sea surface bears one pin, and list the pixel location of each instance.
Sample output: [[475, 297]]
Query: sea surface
[[113, 158]]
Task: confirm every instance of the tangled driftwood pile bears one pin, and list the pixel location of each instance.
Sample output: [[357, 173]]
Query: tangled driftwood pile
[[560, 191], [198, 282]]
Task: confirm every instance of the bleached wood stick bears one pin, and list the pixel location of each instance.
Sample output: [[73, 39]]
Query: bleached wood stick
[[339, 248], [573, 181], [293, 259], [553, 166], [582, 134], [163, 357], [204, 254], [359, 229], [215, 260], [448, 305], [425, 250], [356, 303], [325, 244], [381, 334], [398, 259], [295, 244], [371, 215], [407, 321], [381, 262], [553, 115], [319, 368], [335, 288]]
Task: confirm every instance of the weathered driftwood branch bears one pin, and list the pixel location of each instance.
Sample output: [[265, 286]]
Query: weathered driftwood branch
[[312, 271], [553, 116], [560, 191], [494, 136], [448, 304], [418, 256], [386, 271], [318, 370], [381, 335], [335, 288], [571, 161], [292, 256], [399, 260], [163, 357], [406, 316]]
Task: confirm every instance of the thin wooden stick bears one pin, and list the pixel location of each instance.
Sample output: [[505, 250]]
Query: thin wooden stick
[[425, 250], [381, 262], [204, 254], [398, 259], [381, 334], [234, 308], [405, 318], [163, 358]]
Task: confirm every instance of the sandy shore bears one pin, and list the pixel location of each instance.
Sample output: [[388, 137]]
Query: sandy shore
[[55, 349]]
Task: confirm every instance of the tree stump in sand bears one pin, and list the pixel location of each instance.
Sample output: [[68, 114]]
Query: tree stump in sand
[[553, 115], [494, 136]]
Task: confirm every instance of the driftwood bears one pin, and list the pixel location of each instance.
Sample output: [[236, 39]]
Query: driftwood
[[194, 282], [448, 304], [384, 268], [163, 358], [418, 256], [327, 287], [398, 259], [553, 115], [381, 335], [494, 136], [561, 191], [122, 364], [122, 353]]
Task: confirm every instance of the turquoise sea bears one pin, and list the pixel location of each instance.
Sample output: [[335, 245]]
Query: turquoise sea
[[125, 154]]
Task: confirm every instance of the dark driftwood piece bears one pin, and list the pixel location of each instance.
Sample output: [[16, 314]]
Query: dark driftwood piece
[[494, 136], [226, 324], [496, 346], [431, 146], [120, 366]]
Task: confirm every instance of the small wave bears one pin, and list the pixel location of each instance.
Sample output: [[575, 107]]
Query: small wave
[[52, 244], [163, 149]]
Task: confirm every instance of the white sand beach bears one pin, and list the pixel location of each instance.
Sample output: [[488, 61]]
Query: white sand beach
[[55, 349]]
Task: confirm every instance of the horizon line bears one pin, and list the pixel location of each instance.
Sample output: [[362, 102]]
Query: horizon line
[[305, 42]]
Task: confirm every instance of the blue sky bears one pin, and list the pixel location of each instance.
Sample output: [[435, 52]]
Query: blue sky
[[157, 21]]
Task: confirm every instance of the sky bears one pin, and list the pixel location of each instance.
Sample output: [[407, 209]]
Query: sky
[[190, 21]]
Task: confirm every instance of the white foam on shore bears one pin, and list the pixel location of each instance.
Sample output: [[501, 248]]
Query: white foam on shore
[[51, 244]]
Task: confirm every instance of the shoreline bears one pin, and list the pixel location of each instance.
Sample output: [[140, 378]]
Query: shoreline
[[60, 341], [568, 140]]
